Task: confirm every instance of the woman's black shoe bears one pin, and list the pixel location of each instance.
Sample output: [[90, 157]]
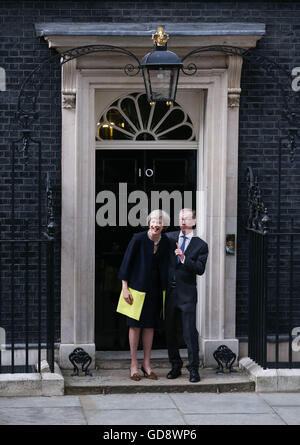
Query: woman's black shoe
[[174, 373]]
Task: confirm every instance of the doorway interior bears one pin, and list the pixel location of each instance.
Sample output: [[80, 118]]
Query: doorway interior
[[143, 170]]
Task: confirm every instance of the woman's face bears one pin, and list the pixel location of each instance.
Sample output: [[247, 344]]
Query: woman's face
[[155, 226]]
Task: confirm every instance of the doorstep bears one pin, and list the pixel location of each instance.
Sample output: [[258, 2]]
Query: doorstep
[[271, 380], [44, 383], [111, 376]]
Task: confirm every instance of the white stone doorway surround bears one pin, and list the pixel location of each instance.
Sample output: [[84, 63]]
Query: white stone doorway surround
[[218, 78]]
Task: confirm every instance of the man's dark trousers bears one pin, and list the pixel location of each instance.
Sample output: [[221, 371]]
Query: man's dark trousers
[[186, 313], [182, 298]]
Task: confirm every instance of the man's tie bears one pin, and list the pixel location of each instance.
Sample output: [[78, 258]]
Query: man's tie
[[182, 246]]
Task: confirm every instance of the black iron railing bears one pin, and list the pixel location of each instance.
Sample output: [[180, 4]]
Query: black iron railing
[[283, 304], [27, 277], [26, 304], [257, 322], [274, 288]]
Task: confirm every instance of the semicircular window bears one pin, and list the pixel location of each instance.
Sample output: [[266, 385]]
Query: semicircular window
[[132, 118]]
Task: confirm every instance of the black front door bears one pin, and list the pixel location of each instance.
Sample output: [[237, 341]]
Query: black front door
[[118, 174]]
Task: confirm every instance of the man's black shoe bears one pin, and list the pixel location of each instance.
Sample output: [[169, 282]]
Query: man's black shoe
[[174, 373], [194, 376]]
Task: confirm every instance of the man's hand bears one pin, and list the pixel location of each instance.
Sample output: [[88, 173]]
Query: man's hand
[[179, 252]]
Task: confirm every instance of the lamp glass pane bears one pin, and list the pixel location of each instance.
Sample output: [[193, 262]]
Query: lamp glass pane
[[162, 83], [173, 84], [147, 84]]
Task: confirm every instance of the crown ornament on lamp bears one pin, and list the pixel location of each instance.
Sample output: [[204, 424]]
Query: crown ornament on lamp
[[160, 70]]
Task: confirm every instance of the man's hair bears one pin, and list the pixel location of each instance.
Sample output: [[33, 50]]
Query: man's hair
[[193, 212]]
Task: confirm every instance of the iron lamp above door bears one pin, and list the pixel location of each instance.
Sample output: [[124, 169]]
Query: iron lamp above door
[[160, 70]]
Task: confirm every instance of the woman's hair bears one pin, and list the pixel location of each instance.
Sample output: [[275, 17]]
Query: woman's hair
[[159, 214]]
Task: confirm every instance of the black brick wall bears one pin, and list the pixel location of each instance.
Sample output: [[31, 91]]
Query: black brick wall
[[21, 50]]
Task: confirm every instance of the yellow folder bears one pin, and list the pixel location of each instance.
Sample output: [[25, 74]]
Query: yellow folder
[[164, 304], [132, 310]]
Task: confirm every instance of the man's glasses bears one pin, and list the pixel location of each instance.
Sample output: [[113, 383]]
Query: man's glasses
[[186, 219]]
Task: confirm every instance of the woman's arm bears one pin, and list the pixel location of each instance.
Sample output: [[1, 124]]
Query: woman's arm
[[125, 268], [126, 292]]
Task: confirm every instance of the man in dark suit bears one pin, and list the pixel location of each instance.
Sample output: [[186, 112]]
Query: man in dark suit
[[188, 255]]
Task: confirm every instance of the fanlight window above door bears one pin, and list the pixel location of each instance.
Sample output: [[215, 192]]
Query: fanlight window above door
[[132, 118]]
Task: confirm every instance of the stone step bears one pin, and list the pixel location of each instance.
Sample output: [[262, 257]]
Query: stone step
[[125, 363], [121, 359], [117, 381]]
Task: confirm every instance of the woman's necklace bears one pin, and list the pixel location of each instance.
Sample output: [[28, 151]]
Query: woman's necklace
[[155, 242]]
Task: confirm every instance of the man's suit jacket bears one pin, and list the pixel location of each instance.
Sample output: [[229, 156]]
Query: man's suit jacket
[[185, 274]]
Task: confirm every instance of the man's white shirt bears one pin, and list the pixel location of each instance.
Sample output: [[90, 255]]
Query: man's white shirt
[[189, 236]]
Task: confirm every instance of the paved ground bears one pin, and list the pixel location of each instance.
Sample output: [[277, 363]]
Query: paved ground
[[153, 409]]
